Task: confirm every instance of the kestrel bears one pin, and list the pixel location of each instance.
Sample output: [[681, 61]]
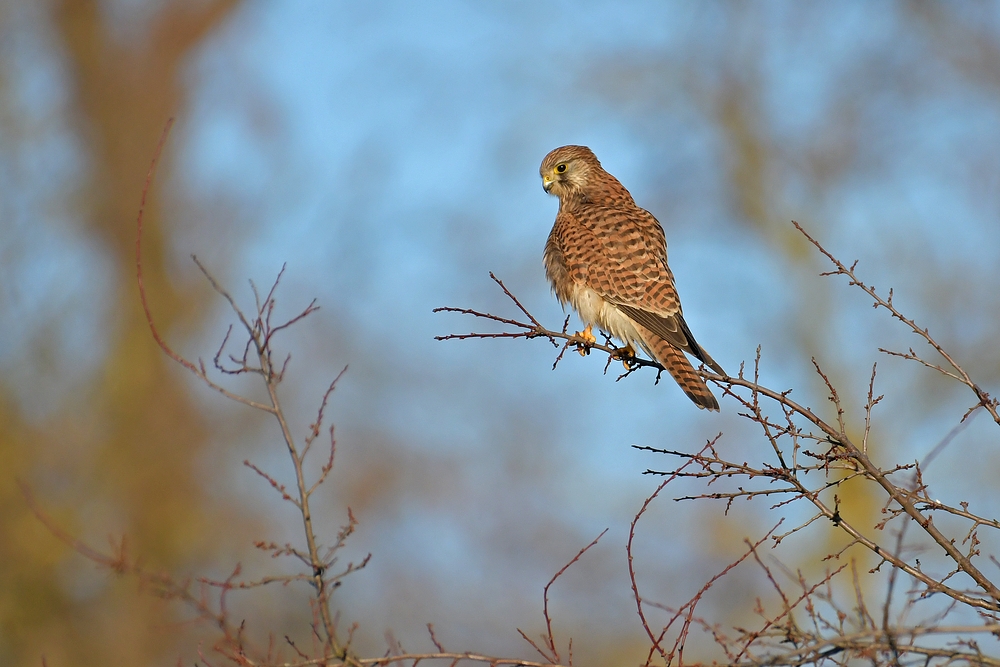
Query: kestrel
[[607, 258]]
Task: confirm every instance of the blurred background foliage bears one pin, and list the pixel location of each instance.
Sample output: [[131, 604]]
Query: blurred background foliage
[[388, 152]]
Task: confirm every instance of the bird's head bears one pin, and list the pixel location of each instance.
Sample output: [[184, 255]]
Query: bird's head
[[567, 170]]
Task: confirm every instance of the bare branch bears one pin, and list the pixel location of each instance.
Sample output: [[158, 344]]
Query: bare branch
[[956, 373]]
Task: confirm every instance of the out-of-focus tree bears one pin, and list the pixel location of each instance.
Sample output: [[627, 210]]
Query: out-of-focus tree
[[122, 447]]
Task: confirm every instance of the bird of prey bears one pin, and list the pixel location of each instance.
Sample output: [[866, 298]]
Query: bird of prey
[[607, 258]]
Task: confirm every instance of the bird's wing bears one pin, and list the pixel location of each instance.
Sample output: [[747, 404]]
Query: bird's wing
[[624, 252]]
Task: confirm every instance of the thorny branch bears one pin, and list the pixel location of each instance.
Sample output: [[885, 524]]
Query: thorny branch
[[956, 373], [814, 458], [257, 358]]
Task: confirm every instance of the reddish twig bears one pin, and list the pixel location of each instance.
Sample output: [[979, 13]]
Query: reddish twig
[[549, 638]]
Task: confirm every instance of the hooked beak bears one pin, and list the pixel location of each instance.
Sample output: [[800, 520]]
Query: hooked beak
[[547, 183]]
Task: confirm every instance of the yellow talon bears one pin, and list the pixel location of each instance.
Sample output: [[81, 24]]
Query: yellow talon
[[626, 355], [588, 339]]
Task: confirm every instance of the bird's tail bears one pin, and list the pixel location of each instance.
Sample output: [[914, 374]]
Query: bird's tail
[[682, 371]]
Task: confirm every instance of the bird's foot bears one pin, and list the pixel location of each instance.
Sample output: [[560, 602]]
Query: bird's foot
[[587, 339], [627, 356]]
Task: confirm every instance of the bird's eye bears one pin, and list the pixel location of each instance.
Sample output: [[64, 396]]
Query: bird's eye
[[561, 168]]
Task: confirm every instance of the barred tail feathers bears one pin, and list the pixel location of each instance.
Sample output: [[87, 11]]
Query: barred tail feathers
[[680, 368]]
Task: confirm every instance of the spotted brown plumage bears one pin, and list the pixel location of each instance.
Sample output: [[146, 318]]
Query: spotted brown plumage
[[607, 258]]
